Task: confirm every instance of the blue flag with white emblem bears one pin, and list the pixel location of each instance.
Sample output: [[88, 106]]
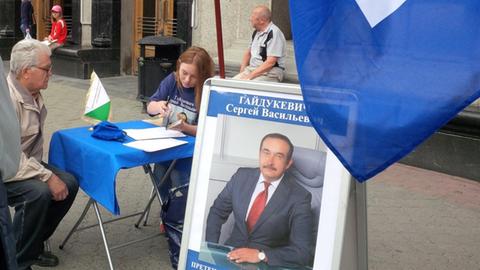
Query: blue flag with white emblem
[[380, 76]]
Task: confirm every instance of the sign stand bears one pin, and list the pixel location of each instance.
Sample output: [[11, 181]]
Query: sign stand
[[342, 230]]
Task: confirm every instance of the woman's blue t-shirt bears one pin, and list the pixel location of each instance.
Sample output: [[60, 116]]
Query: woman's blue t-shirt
[[181, 101]]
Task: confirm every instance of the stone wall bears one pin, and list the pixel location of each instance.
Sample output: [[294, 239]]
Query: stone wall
[[237, 31], [235, 23]]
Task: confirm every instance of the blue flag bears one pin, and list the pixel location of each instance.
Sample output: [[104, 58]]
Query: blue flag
[[380, 76]]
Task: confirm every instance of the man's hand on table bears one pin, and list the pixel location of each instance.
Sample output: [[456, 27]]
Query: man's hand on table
[[58, 189]]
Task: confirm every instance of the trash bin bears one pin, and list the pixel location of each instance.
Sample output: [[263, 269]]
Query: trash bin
[[152, 69]]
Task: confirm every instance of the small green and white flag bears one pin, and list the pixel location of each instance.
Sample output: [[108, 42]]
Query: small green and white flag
[[97, 107]]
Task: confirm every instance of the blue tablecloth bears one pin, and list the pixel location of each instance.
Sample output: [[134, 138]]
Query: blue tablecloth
[[95, 162]]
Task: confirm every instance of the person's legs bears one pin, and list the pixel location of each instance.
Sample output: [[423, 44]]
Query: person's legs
[[31, 200], [37, 215], [58, 209], [239, 76], [159, 171], [179, 176], [23, 27], [266, 78], [274, 75]]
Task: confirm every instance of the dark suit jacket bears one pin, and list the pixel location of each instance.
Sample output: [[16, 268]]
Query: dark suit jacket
[[283, 231]]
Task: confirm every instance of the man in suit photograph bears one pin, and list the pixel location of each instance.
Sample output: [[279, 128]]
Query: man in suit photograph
[[272, 212]]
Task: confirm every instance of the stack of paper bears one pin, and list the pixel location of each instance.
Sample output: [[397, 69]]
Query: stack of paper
[[155, 145], [153, 133], [154, 139]]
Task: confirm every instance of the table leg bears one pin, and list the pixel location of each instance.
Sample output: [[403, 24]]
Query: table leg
[[146, 212], [152, 197], [80, 219], [104, 237], [148, 169]]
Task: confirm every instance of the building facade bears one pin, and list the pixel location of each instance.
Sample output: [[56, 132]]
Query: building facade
[[104, 34]]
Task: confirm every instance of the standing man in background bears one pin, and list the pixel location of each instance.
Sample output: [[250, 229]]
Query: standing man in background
[[26, 18], [9, 159], [264, 59]]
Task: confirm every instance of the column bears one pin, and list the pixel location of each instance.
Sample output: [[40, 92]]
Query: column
[[10, 31], [86, 22], [184, 13], [106, 23]]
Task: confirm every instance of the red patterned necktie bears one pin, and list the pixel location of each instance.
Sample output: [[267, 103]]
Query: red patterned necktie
[[257, 207]]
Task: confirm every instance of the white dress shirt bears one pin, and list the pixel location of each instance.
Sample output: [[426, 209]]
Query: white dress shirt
[[259, 187]]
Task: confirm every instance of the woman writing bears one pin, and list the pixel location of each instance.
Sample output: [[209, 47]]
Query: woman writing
[[177, 100], [178, 97], [58, 33]]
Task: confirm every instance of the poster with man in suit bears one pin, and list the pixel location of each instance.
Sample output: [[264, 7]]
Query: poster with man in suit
[[273, 218], [256, 188]]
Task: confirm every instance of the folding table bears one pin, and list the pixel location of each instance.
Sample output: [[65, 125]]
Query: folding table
[[95, 164]]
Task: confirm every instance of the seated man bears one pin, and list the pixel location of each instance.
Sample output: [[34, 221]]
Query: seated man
[[264, 59], [273, 218], [41, 194]]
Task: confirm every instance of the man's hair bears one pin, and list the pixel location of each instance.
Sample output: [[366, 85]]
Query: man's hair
[[25, 54], [263, 12], [280, 137]]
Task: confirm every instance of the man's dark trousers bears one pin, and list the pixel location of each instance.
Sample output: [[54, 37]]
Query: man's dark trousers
[[36, 214]]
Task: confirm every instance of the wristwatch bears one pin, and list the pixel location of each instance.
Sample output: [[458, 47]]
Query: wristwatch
[[261, 255]]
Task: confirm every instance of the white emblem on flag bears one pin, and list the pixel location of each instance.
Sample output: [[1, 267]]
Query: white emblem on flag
[[377, 10]]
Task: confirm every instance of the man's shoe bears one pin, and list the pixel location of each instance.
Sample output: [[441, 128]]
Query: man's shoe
[[46, 259]]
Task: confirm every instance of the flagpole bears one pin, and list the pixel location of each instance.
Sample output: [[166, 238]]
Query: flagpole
[[218, 23]]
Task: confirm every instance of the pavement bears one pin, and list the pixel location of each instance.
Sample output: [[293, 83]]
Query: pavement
[[417, 219]]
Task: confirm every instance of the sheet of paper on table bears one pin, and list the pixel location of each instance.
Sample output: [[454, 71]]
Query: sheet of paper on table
[[155, 145], [153, 133]]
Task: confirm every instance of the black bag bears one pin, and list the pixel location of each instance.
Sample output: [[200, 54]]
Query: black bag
[[173, 215]]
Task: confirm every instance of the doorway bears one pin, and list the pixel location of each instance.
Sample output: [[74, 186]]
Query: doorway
[[43, 17], [151, 17]]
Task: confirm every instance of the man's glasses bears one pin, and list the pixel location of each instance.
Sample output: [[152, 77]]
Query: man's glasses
[[46, 69]]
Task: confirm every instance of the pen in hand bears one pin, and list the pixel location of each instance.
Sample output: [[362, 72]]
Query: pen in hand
[[167, 112]]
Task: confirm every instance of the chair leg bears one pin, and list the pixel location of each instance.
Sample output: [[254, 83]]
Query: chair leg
[[74, 228], [155, 191], [149, 171]]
